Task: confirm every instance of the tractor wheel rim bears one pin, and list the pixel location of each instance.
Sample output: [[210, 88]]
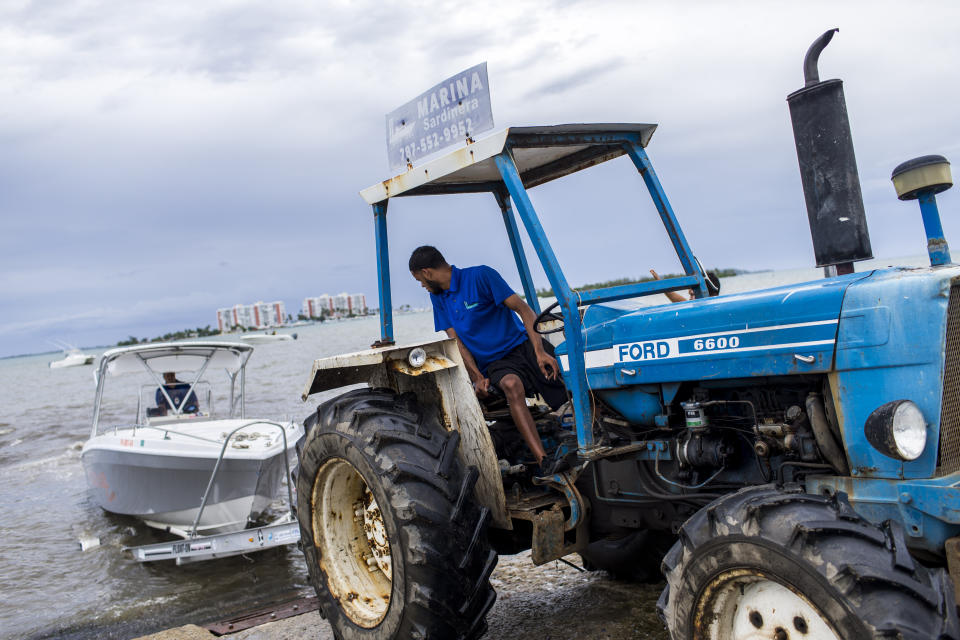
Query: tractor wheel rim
[[743, 605], [376, 532], [353, 542]]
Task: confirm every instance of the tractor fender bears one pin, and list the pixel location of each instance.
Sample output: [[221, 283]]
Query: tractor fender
[[441, 384]]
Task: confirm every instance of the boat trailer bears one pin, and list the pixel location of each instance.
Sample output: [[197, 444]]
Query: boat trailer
[[281, 531]]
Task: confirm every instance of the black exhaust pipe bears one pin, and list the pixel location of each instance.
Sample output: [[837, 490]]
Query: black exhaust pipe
[[828, 167]]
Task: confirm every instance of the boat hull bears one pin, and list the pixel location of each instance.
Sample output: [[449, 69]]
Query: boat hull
[[165, 491], [72, 361]]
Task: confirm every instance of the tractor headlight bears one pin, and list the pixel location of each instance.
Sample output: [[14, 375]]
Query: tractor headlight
[[417, 357], [897, 429]]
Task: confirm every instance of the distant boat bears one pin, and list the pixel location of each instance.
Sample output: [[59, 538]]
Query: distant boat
[[262, 338], [72, 358]]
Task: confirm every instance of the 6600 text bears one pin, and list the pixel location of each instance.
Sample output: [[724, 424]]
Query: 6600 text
[[709, 344]]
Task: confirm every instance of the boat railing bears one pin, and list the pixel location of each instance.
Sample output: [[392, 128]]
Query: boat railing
[[223, 450], [166, 430]]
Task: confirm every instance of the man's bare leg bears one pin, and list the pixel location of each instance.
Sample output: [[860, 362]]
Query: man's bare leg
[[512, 388]]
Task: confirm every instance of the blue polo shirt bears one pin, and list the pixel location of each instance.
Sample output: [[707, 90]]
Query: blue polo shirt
[[473, 306]]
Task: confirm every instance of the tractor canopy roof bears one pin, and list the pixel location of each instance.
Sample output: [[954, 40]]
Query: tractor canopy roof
[[541, 154]]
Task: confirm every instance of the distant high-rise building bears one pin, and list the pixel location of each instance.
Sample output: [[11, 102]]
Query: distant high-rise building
[[357, 303], [318, 306], [342, 304], [252, 316], [226, 319]]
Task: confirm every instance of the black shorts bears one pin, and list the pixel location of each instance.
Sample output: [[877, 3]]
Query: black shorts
[[522, 362]]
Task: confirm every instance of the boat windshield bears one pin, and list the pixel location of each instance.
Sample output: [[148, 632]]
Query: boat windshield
[[172, 383]]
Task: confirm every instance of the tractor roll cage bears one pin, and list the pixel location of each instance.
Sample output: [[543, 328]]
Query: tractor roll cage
[[506, 164]]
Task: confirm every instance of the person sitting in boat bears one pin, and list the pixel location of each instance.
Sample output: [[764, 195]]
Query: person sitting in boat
[[176, 390]]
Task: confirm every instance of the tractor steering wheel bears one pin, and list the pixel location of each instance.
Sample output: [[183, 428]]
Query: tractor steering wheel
[[548, 315]]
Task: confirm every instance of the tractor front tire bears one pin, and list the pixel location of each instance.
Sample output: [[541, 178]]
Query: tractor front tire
[[772, 563], [395, 544]]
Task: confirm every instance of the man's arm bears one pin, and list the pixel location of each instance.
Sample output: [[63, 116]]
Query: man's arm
[[672, 296], [480, 382], [548, 365]]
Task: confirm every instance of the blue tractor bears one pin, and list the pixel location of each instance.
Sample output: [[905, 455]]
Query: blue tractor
[[789, 459]]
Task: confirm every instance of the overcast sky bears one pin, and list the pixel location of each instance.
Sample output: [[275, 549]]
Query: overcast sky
[[161, 160]]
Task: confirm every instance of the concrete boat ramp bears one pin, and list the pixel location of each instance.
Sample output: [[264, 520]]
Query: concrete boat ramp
[[552, 601]]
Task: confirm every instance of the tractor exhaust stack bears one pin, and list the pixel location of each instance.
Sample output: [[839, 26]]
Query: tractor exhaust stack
[[828, 167]]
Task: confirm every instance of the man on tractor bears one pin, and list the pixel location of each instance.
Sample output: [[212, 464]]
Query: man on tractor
[[478, 308]]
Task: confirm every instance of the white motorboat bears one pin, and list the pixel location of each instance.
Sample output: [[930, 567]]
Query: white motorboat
[[72, 358], [190, 473], [263, 338]]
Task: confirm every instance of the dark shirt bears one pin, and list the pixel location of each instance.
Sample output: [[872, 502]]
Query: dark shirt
[[473, 307], [176, 392]]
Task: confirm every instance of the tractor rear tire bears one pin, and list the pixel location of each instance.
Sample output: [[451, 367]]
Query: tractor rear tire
[[775, 563], [395, 543], [634, 557]]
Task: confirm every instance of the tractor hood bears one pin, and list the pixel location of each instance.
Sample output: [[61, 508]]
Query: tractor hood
[[786, 330]]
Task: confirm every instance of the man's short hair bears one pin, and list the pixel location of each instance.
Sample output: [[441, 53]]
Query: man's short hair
[[426, 257]]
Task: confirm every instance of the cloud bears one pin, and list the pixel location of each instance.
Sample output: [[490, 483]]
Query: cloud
[[161, 160], [576, 79]]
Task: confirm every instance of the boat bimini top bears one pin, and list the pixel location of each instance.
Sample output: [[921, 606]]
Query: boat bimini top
[[175, 356]]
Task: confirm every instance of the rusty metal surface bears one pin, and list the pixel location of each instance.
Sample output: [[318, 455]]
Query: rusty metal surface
[[351, 368], [952, 550], [526, 506], [948, 460], [550, 526], [430, 365], [548, 542], [250, 619]]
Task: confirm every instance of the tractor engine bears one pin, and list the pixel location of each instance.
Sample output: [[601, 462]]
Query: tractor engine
[[716, 439]]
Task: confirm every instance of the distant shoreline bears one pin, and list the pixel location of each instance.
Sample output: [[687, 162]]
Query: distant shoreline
[[875, 263], [720, 273]]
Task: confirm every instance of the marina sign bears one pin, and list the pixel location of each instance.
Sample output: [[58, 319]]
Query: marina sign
[[448, 114]]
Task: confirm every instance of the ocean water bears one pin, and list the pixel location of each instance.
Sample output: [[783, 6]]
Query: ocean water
[[53, 589]]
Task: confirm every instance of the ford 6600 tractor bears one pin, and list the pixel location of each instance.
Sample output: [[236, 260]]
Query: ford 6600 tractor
[[787, 459]]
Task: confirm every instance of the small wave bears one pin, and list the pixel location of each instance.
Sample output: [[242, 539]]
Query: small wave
[[5, 431], [14, 443], [122, 610], [42, 462]]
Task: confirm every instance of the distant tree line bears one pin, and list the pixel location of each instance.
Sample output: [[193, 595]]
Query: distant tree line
[[721, 273], [199, 332]]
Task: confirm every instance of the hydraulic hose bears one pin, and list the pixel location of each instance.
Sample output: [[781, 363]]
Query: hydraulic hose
[[824, 437]]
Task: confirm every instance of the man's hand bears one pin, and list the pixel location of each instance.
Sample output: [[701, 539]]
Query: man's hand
[[548, 365], [482, 387]]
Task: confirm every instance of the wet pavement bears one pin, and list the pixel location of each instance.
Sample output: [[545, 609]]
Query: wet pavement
[[550, 602], [556, 602]]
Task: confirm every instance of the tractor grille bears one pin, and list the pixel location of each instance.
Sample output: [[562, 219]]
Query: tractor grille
[[949, 459]]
